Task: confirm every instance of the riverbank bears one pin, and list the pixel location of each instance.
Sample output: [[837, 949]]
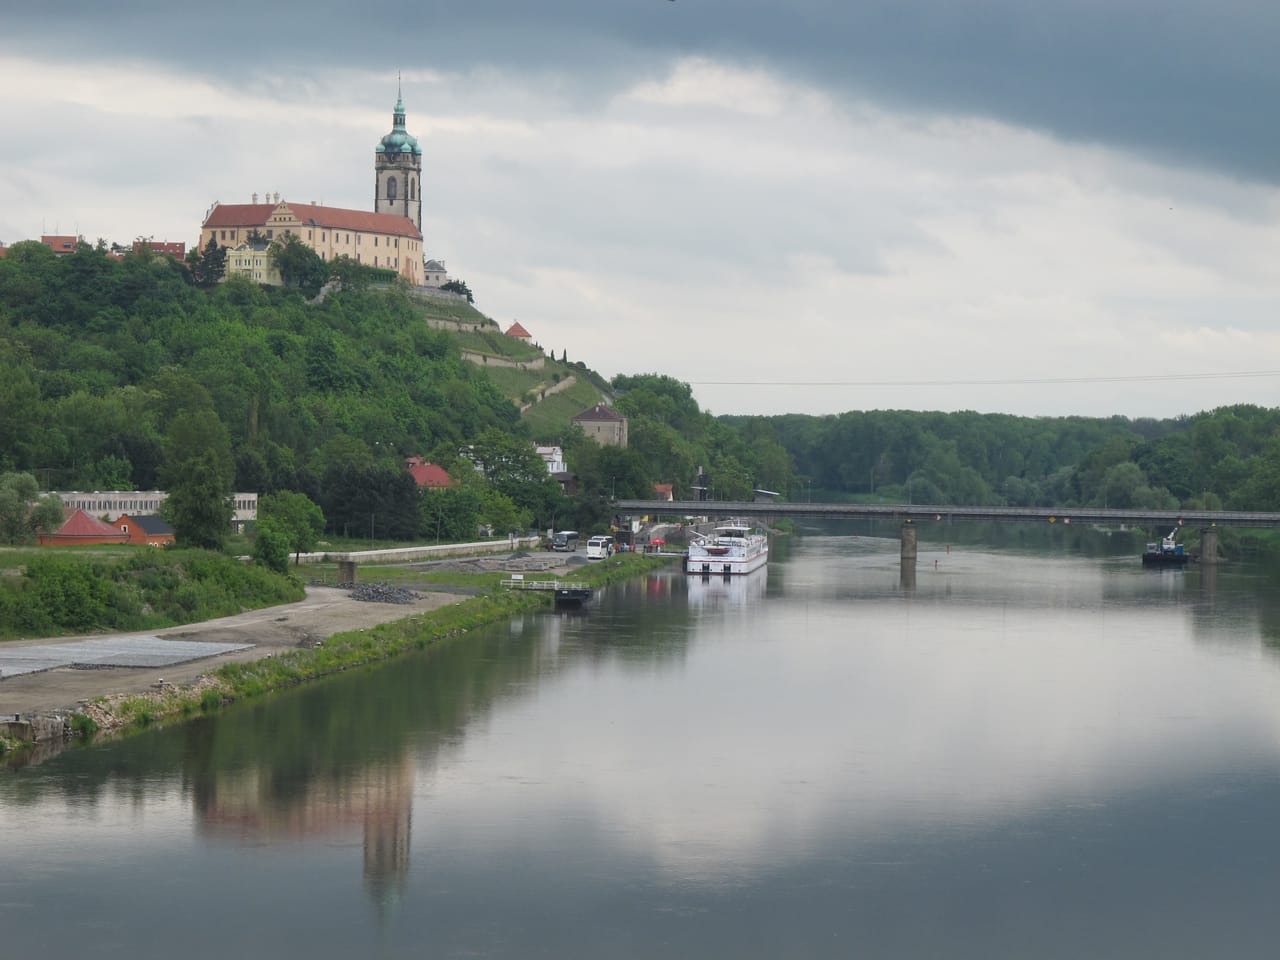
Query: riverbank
[[325, 633]]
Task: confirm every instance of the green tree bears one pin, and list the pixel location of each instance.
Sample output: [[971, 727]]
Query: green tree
[[297, 517], [271, 545], [23, 512], [211, 265], [200, 507], [458, 286], [48, 514], [299, 265], [500, 513], [451, 515], [349, 274]]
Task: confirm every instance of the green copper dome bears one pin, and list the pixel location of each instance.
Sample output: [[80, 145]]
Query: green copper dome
[[398, 140]]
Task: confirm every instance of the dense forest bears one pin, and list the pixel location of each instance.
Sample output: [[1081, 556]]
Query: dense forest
[[134, 373], [1227, 458]]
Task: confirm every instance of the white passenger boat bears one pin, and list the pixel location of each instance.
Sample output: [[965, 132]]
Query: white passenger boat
[[734, 547]]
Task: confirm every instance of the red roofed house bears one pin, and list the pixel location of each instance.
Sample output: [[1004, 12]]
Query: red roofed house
[[81, 529], [173, 248], [519, 332], [384, 240], [145, 529], [428, 475], [664, 491], [61, 245], [604, 425]]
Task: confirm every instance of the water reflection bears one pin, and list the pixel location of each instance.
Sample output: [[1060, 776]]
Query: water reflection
[[724, 592], [739, 762]]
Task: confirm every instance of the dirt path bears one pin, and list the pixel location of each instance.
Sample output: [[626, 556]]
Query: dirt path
[[324, 612]]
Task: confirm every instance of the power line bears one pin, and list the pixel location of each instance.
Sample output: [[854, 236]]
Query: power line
[[1001, 382]]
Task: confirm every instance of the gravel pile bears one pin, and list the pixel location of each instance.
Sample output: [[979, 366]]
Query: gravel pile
[[380, 592]]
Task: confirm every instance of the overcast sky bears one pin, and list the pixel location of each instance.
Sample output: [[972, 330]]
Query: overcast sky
[[811, 206]]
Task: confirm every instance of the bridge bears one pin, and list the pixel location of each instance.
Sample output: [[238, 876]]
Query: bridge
[[912, 515]]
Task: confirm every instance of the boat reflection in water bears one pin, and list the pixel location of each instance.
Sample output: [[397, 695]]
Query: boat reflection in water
[[727, 590]]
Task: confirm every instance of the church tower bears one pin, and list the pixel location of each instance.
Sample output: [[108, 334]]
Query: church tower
[[397, 165]]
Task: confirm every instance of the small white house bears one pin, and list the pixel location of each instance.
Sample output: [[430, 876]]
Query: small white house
[[554, 457]]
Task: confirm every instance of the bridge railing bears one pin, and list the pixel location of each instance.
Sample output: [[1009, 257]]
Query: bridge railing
[[924, 513]]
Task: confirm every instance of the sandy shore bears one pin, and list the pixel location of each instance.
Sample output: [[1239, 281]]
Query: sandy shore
[[324, 612]]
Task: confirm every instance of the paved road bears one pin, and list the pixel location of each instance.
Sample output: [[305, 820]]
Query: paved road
[[324, 612]]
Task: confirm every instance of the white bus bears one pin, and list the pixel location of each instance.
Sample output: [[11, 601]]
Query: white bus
[[598, 548]]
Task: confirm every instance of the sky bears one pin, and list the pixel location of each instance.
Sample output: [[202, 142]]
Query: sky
[[808, 207]]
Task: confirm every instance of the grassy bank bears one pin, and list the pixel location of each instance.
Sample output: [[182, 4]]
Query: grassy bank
[[239, 681], [50, 593]]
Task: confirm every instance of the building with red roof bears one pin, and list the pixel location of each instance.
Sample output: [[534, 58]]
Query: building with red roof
[[383, 240], [173, 248], [519, 332], [145, 529], [388, 238], [429, 475], [61, 245], [80, 529]]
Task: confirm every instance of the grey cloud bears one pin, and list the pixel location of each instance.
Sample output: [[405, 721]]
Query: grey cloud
[[1183, 80]]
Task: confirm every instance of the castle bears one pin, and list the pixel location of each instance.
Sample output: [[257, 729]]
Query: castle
[[388, 238]]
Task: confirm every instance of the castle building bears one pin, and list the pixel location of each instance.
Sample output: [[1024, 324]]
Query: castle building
[[383, 240], [397, 166], [389, 238]]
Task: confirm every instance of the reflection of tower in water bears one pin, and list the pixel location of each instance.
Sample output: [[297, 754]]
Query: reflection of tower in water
[[387, 822], [249, 806]]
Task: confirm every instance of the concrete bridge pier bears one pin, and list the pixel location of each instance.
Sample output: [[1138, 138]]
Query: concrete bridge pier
[[908, 543], [1209, 545], [907, 564]]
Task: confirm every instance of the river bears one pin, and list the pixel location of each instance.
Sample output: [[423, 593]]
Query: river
[[1039, 749]]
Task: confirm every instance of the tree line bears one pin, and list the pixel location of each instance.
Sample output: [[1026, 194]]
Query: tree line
[[130, 374]]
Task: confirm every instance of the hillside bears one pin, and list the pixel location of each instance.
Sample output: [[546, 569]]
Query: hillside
[[123, 374]]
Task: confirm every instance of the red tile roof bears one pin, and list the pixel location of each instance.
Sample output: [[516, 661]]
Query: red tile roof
[[429, 475], [515, 330], [60, 244], [251, 215], [239, 215], [175, 248], [81, 524]]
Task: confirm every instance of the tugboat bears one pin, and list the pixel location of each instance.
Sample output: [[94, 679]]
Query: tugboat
[[1166, 553]]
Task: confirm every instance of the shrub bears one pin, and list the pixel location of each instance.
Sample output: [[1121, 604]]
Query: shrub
[[83, 725]]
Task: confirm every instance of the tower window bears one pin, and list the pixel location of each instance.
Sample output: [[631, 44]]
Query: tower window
[[391, 188], [413, 188]]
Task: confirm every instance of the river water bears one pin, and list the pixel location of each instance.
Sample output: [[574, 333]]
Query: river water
[[1039, 749]]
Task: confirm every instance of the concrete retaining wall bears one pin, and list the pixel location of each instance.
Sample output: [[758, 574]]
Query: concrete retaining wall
[[438, 552], [39, 729]]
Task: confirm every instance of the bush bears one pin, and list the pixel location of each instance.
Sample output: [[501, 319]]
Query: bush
[[271, 546], [83, 725]]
